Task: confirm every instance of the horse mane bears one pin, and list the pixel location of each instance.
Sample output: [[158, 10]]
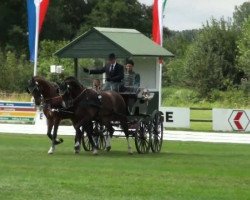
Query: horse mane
[[39, 78], [45, 82], [72, 80]]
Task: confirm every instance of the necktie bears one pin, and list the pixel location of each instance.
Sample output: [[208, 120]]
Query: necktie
[[111, 68]]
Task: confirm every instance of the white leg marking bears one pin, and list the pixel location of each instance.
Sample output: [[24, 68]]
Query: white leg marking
[[51, 150], [77, 147], [108, 141], [77, 144], [130, 151], [95, 151]]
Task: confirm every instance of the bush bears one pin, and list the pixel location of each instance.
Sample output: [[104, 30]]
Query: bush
[[15, 71], [186, 97], [210, 61]]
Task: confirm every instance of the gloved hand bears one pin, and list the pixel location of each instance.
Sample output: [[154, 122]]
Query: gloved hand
[[86, 70]]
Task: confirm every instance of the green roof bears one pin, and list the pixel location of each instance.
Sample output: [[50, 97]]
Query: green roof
[[99, 42]]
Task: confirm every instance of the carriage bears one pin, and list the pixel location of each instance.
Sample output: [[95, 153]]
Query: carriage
[[145, 121], [146, 129]]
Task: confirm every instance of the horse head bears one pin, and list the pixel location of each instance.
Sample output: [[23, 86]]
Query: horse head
[[41, 89], [70, 86], [33, 88], [69, 89]]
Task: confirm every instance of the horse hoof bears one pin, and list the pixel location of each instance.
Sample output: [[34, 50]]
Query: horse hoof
[[58, 141], [95, 152], [77, 151], [130, 152], [108, 148], [61, 140], [77, 148], [51, 150]]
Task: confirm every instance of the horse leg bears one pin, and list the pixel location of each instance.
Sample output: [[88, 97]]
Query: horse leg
[[89, 129], [56, 125], [78, 138], [55, 141], [49, 128], [124, 126], [110, 130], [50, 124]]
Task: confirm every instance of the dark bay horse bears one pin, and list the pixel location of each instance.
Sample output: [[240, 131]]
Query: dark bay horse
[[89, 105], [45, 93]]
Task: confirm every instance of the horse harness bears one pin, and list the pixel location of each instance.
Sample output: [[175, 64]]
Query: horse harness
[[85, 100]]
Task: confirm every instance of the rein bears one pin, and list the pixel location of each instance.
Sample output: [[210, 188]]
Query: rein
[[78, 97], [49, 99]]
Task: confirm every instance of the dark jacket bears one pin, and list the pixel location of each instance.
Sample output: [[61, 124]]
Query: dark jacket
[[115, 75]]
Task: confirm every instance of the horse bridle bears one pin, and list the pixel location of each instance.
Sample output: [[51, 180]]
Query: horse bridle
[[31, 90], [71, 100], [43, 100]]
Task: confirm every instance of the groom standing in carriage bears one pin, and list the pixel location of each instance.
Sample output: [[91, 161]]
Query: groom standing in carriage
[[114, 73]]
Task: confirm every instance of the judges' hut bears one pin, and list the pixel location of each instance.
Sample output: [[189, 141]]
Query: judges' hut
[[125, 43]]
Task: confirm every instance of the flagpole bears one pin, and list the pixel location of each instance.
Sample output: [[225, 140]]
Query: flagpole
[[37, 4], [160, 83], [160, 17]]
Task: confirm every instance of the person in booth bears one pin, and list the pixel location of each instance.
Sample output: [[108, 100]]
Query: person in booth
[[131, 78], [114, 73]]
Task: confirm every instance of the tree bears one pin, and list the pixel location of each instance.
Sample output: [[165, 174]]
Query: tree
[[241, 14], [121, 14], [64, 19], [243, 58], [13, 34], [210, 62], [15, 71], [177, 43], [46, 59]]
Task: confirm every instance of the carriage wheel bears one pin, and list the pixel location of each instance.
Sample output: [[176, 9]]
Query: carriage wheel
[[157, 133], [101, 135], [85, 142], [143, 136], [99, 138]]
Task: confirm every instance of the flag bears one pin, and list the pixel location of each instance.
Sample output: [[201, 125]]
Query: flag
[[36, 13], [157, 27]]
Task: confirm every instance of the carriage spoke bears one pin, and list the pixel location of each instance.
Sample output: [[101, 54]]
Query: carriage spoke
[[157, 137], [142, 137]]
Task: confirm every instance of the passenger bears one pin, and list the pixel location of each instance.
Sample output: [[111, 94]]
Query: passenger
[[131, 79], [96, 84]]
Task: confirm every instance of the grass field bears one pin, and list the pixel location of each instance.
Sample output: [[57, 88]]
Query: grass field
[[181, 171]]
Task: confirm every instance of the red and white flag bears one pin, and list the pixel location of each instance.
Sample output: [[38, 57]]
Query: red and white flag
[[157, 27]]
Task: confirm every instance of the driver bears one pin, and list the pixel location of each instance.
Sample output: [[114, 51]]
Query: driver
[[114, 73]]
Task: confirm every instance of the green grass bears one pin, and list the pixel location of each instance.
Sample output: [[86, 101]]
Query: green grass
[[186, 97], [15, 96], [181, 171]]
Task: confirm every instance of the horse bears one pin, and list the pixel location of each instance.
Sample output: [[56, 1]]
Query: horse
[[46, 94], [90, 105]]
